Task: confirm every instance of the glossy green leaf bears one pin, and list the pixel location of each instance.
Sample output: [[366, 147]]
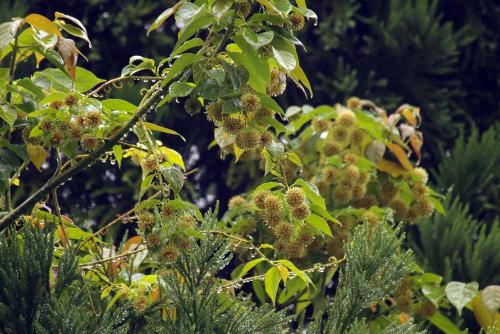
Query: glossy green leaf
[[118, 153], [180, 89], [319, 223], [8, 114], [459, 293], [248, 266], [285, 59], [118, 104], [158, 128], [179, 65], [272, 283], [85, 79], [257, 40], [158, 22], [76, 29]]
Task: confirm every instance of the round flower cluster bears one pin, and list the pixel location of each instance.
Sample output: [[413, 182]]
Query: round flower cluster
[[73, 122], [284, 213], [166, 230]]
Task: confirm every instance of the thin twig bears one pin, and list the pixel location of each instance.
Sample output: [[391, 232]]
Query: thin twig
[[119, 79], [116, 257]]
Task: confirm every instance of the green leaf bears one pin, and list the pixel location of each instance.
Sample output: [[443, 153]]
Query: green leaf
[[248, 266], [7, 32], [257, 40], [86, 79], [444, 324], [285, 59], [237, 75], [180, 89], [221, 7], [155, 127], [8, 114], [37, 155], [179, 204], [276, 149], [192, 43], [319, 223], [137, 64], [158, 22], [460, 294], [199, 20], [173, 157], [231, 105], [174, 178], [272, 283], [210, 89], [118, 104], [293, 157], [257, 67], [312, 193], [179, 65], [78, 31], [118, 153], [268, 186], [145, 184], [270, 103]]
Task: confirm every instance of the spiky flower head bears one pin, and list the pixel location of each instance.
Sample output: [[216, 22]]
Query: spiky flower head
[[331, 148], [89, 142], [346, 118], [295, 196], [358, 191], [278, 83], [330, 174], [259, 198], [340, 133], [399, 206], [357, 137], [295, 249], [342, 193], [153, 241], [266, 138], [57, 104], [245, 8], [283, 231], [71, 100], [168, 254], [353, 102], [236, 201], [248, 139], [167, 211], [370, 217], [214, 111], [192, 106], [233, 124], [424, 207], [145, 220], [320, 124], [93, 118], [297, 21], [250, 102], [301, 212], [421, 175]]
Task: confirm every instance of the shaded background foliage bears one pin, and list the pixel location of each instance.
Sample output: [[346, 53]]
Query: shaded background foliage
[[439, 55]]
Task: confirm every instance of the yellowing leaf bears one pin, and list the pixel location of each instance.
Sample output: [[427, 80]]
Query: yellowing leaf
[[401, 155], [118, 153], [37, 155], [237, 151], [283, 272], [272, 283], [42, 23], [172, 156], [391, 168]]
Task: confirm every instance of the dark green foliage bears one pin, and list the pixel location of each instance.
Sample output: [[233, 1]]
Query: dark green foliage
[[200, 307], [459, 247], [28, 304], [408, 328], [24, 279], [375, 267], [472, 172]]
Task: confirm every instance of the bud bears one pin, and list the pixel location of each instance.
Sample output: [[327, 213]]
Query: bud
[[278, 83], [145, 221], [89, 142], [153, 241], [421, 175], [71, 100], [58, 104], [357, 137], [245, 8], [339, 133], [266, 139], [399, 206], [353, 103], [167, 212], [295, 249], [93, 119], [342, 193]]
